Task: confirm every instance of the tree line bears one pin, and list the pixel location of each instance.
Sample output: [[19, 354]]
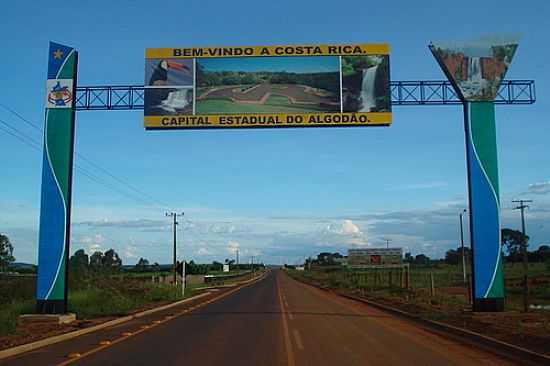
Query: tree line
[[323, 80], [511, 241]]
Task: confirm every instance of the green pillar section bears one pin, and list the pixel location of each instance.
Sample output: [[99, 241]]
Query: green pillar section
[[60, 131], [57, 168], [485, 206], [475, 69]]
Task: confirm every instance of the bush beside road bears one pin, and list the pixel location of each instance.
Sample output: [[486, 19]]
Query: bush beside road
[[94, 297]]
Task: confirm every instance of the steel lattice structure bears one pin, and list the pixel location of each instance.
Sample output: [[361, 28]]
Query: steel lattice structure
[[427, 92]]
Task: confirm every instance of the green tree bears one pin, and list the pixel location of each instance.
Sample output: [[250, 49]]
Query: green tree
[[111, 261], [216, 266], [513, 240], [422, 259], [142, 265], [453, 256], [96, 260], [79, 261], [6, 252]]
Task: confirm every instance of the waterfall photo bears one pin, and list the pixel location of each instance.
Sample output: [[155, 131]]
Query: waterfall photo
[[168, 101], [365, 84], [476, 67]]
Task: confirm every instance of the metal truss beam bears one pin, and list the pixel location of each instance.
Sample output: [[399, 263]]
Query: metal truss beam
[[403, 93]]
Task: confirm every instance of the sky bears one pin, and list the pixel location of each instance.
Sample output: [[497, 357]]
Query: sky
[[281, 195], [296, 64]]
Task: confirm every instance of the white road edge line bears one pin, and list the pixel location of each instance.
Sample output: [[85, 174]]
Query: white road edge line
[[298, 339]]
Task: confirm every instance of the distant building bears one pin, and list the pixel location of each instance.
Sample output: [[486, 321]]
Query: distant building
[[373, 257], [341, 261]]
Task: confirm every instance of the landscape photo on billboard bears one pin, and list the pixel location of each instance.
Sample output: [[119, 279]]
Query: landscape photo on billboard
[[268, 85], [168, 72], [366, 83], [476, 67], [168, 101]]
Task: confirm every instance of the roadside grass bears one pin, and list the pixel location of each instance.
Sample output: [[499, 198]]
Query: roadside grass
[[450, 289], [96, 302], [10, 312], [16, 297], [93, 296], [89, 297]]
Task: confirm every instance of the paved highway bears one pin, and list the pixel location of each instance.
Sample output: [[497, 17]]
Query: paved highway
[[275, 321]]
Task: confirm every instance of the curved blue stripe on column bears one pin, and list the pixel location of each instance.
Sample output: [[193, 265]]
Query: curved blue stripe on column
[[52, 231], [486, 226]]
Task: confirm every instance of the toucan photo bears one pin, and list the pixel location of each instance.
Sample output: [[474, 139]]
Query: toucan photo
[[160, 73]]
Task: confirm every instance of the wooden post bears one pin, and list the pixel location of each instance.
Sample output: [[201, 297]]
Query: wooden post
[[469, 288], [432, 287]]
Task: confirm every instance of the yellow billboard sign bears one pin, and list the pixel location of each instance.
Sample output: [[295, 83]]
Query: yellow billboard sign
[[271, 86]]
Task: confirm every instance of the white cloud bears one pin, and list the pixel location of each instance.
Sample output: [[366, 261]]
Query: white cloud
[[540, 188], [424, 185], [345, 233], [129, 251], [347, 227], [203, 252], [232, 246], [133, 224], [91, 243]]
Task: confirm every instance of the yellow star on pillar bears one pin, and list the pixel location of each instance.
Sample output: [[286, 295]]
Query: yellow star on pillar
[[57, 54]]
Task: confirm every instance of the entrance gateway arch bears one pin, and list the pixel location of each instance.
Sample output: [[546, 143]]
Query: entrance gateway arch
[[278, 87]]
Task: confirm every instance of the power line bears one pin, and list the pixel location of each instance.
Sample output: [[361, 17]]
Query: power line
[[98, 167], [18, 137], [31, 142], [89, 161], [32, 124]]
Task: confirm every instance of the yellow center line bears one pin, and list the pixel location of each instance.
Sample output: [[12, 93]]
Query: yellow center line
[[288, 344], [74, 357]]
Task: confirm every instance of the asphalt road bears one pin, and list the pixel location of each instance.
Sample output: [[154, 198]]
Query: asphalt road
[[275, 321]]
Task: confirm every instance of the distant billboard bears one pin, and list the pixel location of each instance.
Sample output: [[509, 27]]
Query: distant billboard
[[371, 257], [476, 68], [273, 86]]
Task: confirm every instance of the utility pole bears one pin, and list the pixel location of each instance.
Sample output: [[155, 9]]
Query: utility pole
[[237, 252], [462, 246], [387, 242], [522, 206], [175, 216]]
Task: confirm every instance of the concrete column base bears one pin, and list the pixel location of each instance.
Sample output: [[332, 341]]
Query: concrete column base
[[488, 305], [48, 318]]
